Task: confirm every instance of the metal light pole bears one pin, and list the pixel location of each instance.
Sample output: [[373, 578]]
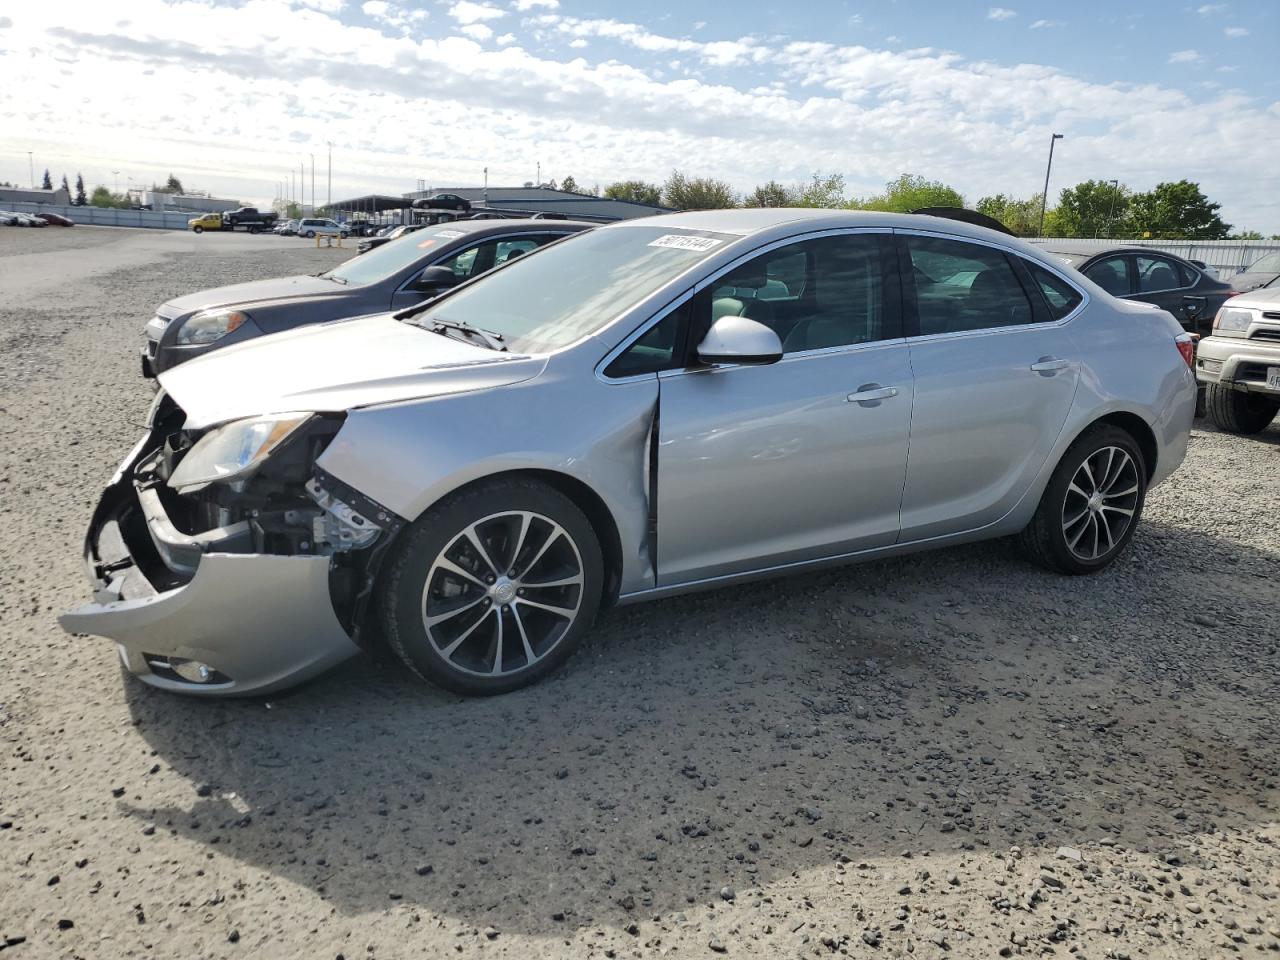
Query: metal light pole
[[313, 183], [31, 166], [116, 174], [1044, 197], [328, 190], [486, 186], [302, 189], [1111, 215]]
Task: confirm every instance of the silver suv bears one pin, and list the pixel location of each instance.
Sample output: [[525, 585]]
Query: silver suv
[[1240, 362]]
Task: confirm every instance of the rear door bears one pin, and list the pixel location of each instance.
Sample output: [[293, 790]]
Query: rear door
[[995, 375], [761, 466]]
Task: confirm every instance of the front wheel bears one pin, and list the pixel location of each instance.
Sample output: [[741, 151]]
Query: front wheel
[[1238, 412], [198, 229], [343, 235], [1091, 507], [493, 588]]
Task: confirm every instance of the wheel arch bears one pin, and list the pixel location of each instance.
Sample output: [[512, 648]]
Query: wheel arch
[[1136, 427]]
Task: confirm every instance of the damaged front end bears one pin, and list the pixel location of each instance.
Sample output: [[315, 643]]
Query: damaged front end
[[224, 561]]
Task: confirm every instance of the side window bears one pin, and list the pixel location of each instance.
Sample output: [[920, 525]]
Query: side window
[[964, 286], [1156, 273], [465, 264], [814, 294], [1060, 295], [1112, 275], [510, 249], [658, 349]]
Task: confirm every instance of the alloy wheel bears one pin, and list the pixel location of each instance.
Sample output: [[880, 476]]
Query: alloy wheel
[[1100, 503], [503, 593]]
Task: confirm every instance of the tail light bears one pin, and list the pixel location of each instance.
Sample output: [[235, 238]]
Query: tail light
[[1187, 347]]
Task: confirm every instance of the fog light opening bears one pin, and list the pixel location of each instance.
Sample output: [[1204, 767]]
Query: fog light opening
[[182, 670]]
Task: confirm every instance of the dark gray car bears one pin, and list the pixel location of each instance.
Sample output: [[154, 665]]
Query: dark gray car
[[1258, 274], [398, 274]]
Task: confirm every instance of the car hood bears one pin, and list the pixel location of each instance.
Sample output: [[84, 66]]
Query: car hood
[[246, 294], [1248, 281], [1260, 298], [337, 366]]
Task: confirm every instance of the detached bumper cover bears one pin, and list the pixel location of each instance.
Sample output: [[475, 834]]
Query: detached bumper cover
[[260, 622]]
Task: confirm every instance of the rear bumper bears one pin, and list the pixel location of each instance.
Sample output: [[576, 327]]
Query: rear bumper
[[241, 624], [1237, 362]]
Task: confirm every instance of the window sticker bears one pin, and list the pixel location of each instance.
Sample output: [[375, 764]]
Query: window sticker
[[450, 234], [682, 242], [429, 242]]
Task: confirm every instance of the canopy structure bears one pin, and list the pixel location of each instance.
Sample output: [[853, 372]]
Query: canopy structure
[[372, 204]]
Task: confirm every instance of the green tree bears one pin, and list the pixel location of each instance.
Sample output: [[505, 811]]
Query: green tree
[[80, 199], [1245, 235], [637, 191], [65, 186], [570, 185], [697, 193], [173, 185], [771, 194], [1094, 208], [47, 182], [102, 197], [910, 192], [822, 191], [1022, 217], [1177, 211]]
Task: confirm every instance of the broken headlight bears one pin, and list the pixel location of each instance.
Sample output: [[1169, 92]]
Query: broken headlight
[[235, 450]]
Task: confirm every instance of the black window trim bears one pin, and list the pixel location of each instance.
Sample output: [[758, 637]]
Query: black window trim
[[1177, 265]]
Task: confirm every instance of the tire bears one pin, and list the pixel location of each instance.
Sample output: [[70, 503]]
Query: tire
[[488, 623], [255, 229], [1236, 411], [310, 234], [343, 235], [198, 229], [1067, 533]]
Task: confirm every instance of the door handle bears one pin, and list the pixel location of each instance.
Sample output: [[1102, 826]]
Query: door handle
[[871, 393], [1050, 365]]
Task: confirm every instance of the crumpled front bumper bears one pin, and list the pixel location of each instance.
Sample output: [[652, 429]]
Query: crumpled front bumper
[[256, 623]]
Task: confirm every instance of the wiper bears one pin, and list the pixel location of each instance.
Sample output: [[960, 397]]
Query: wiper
[[491, 340], [326, 275]]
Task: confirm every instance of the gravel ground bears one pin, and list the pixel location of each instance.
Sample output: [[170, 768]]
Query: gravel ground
[[953, 754]]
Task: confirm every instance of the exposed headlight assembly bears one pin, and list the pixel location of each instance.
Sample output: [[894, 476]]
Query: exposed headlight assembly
[[1232, 320], [208, 326], [235, 450]]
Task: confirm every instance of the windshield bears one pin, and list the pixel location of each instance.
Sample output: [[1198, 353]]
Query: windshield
[[390, 258], [1268, 264], [574, 287]]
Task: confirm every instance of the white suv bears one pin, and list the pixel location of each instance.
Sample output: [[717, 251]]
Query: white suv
[[313, 227], [1240, 362]]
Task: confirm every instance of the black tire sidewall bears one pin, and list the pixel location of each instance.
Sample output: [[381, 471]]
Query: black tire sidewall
[[1051, 504], [401, 605]]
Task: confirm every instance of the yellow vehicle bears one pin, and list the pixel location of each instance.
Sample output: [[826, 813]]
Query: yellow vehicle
[[206, 221]]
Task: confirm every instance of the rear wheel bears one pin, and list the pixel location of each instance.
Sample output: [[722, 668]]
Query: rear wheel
[[1091, 507], [493, 588], [198, 229], [310, 234], [1236, 411]]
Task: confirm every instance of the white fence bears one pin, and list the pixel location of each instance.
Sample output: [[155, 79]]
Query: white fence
[[108, 216], [1228, 257]]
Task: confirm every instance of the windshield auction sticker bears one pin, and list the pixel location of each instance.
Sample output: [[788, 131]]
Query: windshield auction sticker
[[450, 234], [682, 242]]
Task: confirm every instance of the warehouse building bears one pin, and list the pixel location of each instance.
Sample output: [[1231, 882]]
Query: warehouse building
[[534, 199]]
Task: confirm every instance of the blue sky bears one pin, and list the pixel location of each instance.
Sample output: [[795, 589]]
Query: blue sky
[[233, 96]]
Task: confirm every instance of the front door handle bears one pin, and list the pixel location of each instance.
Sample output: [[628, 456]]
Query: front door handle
[[870, 393], [1050, 365]]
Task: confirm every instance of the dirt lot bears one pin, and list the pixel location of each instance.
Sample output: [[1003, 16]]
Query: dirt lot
[[953, 754]]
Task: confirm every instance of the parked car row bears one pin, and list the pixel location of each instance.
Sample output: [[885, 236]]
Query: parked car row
[[13, 218], [479, 434]]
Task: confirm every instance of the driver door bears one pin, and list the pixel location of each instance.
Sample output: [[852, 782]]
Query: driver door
[[761, 466]]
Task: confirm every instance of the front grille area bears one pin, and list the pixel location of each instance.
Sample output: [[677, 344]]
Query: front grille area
[[1267, 333]]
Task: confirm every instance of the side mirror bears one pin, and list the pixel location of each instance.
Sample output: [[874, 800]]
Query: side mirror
[[734, 339], [436, 279]]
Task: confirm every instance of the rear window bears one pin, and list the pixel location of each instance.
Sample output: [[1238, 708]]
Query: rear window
[[1060, 295]]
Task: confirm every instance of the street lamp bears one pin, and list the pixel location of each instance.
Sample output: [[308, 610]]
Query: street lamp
[[1111, 215], [31, 166], [1044, 197], [313, 183], [116, 182], [328, 190]]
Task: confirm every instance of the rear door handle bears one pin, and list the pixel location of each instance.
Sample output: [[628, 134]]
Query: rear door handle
[[872, 392], [1050, 365]]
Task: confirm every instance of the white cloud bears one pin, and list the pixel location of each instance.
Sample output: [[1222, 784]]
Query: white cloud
[[1210, 9], [189, 86], [465, 11], [327, 6], [1184, 56], [1043, 24], [1001, 13], [392, 14], [477, 31], [578, 43], [375, 8], [1236, 32], [523, 5]]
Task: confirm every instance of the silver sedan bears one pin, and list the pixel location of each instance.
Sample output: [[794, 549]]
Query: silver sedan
[[657, 406]]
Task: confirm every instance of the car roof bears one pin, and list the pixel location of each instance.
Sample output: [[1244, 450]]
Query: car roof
[[507, 226]]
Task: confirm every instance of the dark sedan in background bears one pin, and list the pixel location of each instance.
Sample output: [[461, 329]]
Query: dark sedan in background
[[1260, 273], [403, 272], [1168, 281]]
